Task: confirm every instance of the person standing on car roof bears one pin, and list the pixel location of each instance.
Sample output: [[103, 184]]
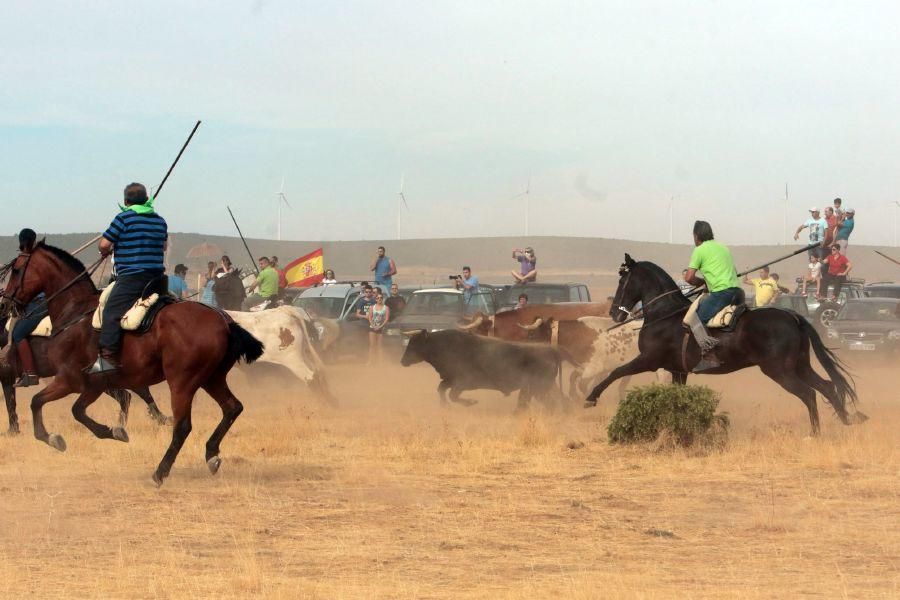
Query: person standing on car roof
[[845, 229], [816, 225], [384, 268]]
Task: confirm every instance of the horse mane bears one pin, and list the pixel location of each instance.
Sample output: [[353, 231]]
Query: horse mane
[[66, 258], [664, 280]]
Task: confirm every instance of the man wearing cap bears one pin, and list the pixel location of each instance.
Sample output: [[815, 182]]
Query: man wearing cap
[[817, 226], [527, 265], [845, 228]]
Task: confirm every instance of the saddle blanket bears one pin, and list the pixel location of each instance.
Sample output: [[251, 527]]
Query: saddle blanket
[[132, 319], [44, 328], [724, 319]]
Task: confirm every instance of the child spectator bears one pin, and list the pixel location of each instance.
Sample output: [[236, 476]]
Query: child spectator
[[813, 275]]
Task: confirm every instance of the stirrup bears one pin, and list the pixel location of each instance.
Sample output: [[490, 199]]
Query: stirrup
[[102, 366], [27, 380], [708, 362]]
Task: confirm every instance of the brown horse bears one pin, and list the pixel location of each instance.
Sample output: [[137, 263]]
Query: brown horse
[[189, 345]]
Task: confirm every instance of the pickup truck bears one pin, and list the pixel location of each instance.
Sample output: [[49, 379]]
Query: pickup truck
[[542, 293]]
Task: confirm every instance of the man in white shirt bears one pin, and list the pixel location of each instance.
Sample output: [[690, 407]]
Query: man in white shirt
[[817, 226]]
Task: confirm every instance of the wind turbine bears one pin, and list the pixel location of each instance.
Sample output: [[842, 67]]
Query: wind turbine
[[527, 194], [281, 198], [399, 207]]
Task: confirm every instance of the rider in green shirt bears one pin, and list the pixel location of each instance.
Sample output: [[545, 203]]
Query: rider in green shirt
[[266, 282], [712, 260]]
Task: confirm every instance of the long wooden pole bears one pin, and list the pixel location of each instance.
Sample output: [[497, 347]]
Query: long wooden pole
[[158, 188], [238, 227]]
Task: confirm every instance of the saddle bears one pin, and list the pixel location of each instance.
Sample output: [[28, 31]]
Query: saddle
[[139, 318], [43, 329], [725, 320]]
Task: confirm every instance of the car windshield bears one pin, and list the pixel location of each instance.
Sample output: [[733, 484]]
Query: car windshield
[[326, 308], [536, 295], [869, 311], [884, 292], [438, 303]]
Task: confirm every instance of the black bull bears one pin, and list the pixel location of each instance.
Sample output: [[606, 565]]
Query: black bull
[[468, 362]]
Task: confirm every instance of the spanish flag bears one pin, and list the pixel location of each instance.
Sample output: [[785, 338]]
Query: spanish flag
[[306, 271]]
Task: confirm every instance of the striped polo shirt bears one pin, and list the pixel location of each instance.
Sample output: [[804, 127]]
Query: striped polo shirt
[[138, 242]]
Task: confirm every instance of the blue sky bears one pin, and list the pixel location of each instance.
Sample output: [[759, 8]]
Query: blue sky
[[608, 108]]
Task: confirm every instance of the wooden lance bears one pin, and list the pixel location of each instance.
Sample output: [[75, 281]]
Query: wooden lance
[[158, 188], [236, 226]]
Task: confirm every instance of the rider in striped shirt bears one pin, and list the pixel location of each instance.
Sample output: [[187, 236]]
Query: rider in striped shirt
[[138, 238]]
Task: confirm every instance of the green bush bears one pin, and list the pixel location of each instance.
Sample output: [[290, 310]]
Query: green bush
[[684, 414]]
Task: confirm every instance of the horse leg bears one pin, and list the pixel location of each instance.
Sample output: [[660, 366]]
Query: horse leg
[[123, 397], [795, 385], [623, 386], [156, 414], [79, 411], [442, 391], [678, 378], [181, 413], [640, 364], [56, 390], [231, 409], [824, 387], [9, 394]]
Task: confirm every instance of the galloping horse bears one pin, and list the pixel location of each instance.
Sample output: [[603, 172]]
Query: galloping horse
[[189, 345], [775, 340]]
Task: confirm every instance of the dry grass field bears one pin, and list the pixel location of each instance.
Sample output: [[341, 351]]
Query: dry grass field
[[391, 496]]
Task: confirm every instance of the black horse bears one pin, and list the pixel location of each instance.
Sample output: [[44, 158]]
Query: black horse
[[775, 340], [10, 370]]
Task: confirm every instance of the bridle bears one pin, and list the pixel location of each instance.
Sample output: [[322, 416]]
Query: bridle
[[18, 304], [640, 313]]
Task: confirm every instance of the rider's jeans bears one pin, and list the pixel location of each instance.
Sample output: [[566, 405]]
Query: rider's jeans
[[716, 301], [128, 290]]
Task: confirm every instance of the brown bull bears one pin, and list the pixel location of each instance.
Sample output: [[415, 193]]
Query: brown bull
[[527, 324]]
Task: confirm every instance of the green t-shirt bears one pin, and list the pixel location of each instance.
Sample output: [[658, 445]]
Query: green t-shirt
[[268, 282], [714, 260]]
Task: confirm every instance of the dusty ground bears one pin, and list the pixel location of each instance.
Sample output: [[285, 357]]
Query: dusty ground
[[390, 496]]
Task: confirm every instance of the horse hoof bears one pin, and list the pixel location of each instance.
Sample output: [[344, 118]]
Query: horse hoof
[[120, 434], [858, 418], [56, 441], [13, 431], [589, 404], [158, 479], [214, 463]]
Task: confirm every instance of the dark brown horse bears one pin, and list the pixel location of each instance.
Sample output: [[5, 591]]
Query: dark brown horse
[[189, 345], [777, 341], [10, 370]]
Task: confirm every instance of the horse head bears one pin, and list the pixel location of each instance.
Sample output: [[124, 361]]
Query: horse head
[[628, 293], [42, 269]]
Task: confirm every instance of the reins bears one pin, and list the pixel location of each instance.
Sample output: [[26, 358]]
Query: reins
[[46, 301]]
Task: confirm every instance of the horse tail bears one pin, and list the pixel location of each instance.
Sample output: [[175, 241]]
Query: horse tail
[[837, 372], [242, 344]]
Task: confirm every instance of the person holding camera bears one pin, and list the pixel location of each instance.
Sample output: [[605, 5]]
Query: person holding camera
[[466, 282], [527, 265]]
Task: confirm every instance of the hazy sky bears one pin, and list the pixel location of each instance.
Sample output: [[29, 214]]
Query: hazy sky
[[608, 108]]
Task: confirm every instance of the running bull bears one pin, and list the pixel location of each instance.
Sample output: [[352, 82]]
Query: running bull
[[469, 362]]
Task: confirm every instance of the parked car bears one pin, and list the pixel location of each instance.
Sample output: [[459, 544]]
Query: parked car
[[334, 304], [867, 325], [883, 290], [823, 312], [542, 293], [436, 309]]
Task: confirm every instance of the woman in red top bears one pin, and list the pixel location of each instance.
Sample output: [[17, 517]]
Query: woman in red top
[[838, 266]]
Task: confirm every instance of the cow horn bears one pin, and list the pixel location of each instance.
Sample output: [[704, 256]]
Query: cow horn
[[537, 323], [473, 325], [412, 332]]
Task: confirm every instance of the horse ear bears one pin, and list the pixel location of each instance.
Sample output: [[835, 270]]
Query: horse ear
[[628, 260]]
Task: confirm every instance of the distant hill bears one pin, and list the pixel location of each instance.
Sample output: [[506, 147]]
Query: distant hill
[[590, 260]]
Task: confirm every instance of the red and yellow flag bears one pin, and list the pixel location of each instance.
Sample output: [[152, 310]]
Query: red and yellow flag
[[306, 271]]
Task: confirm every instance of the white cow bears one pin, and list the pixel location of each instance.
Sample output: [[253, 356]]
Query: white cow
[[609, 350], [286, 331]]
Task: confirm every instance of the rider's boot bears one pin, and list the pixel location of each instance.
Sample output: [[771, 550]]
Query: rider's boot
[[107, 363], [707, 343], [26, 358]]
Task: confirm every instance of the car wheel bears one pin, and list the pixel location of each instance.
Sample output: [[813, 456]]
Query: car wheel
[[826, 314]]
